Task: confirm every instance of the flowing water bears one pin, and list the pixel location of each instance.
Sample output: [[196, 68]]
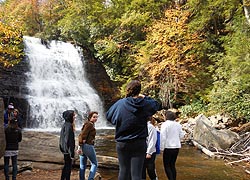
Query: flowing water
[[57, 82], [191, 164]]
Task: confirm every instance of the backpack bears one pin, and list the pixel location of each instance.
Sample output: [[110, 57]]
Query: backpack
[[157, 145]]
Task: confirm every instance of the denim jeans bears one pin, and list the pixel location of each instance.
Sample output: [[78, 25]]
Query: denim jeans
[[131, 157], [88, 153], [66, 171], [14, 167]]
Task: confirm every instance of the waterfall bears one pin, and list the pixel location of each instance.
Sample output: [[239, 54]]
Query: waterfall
[[57, 82]]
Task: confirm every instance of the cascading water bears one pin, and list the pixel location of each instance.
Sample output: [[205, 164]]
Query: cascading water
[[57, 83]]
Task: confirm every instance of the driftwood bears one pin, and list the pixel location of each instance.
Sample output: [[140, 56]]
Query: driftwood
[[203, 149], [238, 154], [245, 159]]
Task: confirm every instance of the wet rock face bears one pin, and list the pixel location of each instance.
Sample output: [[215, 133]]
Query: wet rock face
[[2, 134], [13, 84], [13, 87], [99, 79]]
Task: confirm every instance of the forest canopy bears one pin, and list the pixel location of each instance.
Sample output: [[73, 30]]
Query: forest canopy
[[190, 54]]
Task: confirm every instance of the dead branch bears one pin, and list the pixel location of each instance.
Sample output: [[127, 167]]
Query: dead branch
[[245, 159], [203, 149]]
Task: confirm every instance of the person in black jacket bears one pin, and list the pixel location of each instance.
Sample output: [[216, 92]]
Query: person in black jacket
[[67, 143], [13, 136], [129, 115]]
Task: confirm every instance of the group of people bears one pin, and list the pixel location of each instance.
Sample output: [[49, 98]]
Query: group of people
[[10, 113], [135, 136], [86, 140]]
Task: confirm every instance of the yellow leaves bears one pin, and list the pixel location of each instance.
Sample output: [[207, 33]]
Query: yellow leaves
[[11, 45], [168, 49]]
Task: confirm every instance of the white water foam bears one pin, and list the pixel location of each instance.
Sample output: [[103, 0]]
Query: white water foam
[[57, 82]]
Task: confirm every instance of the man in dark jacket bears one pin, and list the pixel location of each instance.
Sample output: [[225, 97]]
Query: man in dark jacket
[[67, 143], [130, 115]]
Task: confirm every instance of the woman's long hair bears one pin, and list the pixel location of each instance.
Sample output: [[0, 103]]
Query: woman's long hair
[[91, 114], [133, 88]]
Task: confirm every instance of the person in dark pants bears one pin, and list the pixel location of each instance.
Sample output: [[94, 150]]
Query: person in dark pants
[[67, 143], [171, 134], [149, 162], [129, 115], [13, 136]]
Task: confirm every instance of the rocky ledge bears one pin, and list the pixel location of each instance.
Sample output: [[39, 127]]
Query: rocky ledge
[[41, 150]]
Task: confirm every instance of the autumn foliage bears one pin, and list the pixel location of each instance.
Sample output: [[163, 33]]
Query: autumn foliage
[[11, 45], [168, 60]]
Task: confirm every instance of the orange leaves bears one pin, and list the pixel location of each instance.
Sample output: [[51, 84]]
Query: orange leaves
[[169, 48]]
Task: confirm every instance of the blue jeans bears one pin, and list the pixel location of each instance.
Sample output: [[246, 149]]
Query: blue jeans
[[88, 153], [131, 157], [14, 166], [66, 171]]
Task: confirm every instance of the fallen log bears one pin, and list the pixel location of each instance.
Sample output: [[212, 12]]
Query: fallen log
[[203, 149]]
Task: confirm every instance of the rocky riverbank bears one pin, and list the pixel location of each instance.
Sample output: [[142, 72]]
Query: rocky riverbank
[[39, 152]]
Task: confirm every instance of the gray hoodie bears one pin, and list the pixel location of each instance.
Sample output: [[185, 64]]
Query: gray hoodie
[[67, 136]]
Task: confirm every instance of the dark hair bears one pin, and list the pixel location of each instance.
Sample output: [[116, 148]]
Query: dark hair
[[68, 115], [13, 123], [133, 88], [170, 115], [152, 120], [91, 114]]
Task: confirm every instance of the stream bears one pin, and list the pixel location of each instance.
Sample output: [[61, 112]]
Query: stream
[[191, 163]]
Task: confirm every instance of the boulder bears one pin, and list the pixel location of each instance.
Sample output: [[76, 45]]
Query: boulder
[[43, 148], [2, 134], [210, 137]]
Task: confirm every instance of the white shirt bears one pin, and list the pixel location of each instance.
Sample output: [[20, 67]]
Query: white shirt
[[151, 139], [171, 134]]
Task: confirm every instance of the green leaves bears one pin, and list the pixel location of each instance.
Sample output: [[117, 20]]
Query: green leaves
[[231, 90]]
